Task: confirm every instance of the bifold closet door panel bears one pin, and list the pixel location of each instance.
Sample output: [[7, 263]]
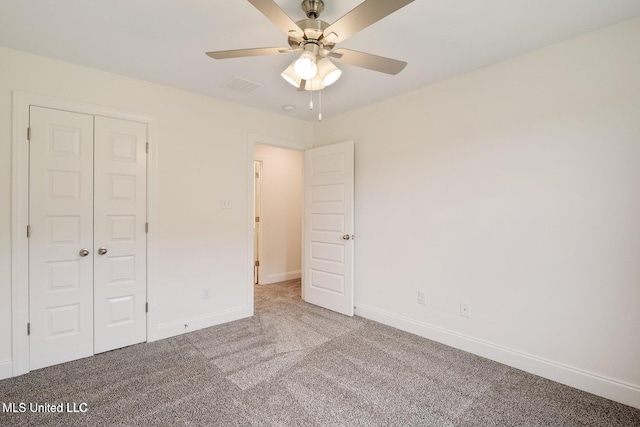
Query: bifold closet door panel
[[60, 236], [119, 233]]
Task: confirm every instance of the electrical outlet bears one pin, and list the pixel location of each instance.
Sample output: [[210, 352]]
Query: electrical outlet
[[206, 293], [225, 203], [465, 309], [422, 298]]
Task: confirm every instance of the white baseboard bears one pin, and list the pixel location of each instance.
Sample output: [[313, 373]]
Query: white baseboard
[[171, 329], [6, 369], [281, 277], [619, 391]]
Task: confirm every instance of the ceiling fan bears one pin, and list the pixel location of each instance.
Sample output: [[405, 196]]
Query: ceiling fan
[[316, 41]]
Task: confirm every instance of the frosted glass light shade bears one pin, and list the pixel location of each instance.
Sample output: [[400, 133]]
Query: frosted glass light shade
[[305, 66], [328, 72], [290, 76]]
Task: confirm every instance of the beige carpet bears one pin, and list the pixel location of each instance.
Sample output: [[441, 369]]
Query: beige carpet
[[294, 364]]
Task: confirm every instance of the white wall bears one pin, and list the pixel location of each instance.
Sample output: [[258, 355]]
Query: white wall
[[281, 216], [202, 158], [516, 188]]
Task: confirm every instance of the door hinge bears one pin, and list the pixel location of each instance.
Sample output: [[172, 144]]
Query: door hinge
[[28, 231], [146, 227], [28, 134], [257, 219], [28, 328], [146, 148], [146, 307], [257, 263]]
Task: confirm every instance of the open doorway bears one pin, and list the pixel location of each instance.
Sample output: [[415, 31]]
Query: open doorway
[[278, 202]]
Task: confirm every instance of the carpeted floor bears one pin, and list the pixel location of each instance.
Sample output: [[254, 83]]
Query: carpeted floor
[[294, 364]]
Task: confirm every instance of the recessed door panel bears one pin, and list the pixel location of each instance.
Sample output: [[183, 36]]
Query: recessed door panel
[[61, 225], [64, 141], [63, 275], [63, 321], [327, 282], [64, 229], [121, 311], [63, 185], [331, 163], [122, 269], [327, 252], [123, 148], [327, 222], [121, 187]]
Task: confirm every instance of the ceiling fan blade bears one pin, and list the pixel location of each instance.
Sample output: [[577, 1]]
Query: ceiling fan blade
[[271, 10], [239, 53], [363, 15], [367, 60]]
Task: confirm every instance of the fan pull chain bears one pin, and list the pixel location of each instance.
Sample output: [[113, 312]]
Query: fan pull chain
[[311, 93], [320, 102]]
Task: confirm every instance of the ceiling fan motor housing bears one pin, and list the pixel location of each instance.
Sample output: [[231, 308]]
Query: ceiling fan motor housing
[[313, 8], [313, 29]]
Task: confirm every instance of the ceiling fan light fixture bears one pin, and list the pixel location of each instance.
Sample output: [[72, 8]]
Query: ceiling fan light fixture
[[290, 76], [328, 72], [305, 66], [314, 84]]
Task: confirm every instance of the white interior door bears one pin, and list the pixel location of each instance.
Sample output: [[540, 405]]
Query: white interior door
[[60, 237], [87, 235], [120, 239], [328, 221]]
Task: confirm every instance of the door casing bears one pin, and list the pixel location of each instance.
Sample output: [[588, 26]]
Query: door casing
[[252, 140], [20, 213]]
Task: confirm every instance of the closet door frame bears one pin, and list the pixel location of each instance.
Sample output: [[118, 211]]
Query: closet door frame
[[22, 101]]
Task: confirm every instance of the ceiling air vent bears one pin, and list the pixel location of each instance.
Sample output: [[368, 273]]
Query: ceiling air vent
[[241, 85]]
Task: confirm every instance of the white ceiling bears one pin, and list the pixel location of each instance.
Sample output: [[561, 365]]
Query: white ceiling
[[164, 41]]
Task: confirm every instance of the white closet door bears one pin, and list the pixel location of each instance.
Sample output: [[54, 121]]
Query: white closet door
[[120, 239], [61, 228]]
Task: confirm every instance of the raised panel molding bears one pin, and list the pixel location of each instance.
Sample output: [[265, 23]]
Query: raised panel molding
[[64, 142], [63, 185], [63, 320], [121, 227], [63, 275], [123, 148], [122, 187], [328, 164], [327, 193], [122, 269], [327, 222], [63, 230], [122, 310], [327, 281]]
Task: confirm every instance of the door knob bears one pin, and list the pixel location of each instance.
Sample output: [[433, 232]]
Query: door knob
[[346, 237], [102, 251], [83, 252]]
